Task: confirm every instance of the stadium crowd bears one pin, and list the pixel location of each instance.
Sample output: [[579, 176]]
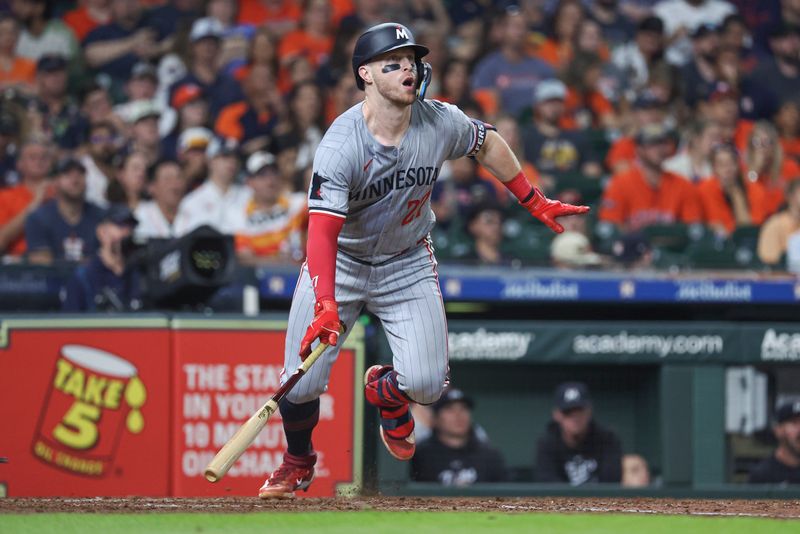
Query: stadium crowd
[[677, 120]]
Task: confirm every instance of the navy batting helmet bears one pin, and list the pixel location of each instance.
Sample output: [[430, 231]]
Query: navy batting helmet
[[383, 38]]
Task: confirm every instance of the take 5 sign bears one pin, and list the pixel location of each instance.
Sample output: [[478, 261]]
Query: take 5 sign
[[85, 407], [224, 371], [139, 406]]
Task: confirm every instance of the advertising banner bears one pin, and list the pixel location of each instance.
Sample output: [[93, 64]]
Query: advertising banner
[[224, 371], [85, 407]]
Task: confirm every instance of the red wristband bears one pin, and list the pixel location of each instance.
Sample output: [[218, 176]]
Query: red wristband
[[520, 187]]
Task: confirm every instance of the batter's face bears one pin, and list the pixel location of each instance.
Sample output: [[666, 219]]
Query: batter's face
[[394, 75]]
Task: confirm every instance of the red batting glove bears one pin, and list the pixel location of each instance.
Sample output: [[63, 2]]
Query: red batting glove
[[325, 326], [547, 210]]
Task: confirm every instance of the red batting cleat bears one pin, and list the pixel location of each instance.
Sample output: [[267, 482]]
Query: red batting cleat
[[400, 448], [295, 473]]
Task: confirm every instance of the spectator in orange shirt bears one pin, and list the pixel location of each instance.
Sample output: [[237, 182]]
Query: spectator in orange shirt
[[557, 50], [585, 106], [16, 203], [722, 106], [15, 71], [646, 194], [728, 200], [648, 108], [278, 16], [787, 121], [766, 163], [262, 51], [251, 121], [314, 39], [87, 16]]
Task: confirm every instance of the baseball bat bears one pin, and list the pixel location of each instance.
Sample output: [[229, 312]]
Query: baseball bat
[[244, 437]]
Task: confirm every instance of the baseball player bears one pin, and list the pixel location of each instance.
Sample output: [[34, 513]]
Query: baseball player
[[369, 245]]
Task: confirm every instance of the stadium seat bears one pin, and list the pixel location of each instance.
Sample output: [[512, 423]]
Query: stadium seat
[[672, 237]]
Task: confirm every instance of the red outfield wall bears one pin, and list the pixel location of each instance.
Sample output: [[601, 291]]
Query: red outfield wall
[[138, 406]]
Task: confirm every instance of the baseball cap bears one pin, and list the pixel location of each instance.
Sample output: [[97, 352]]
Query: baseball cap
[[259, 161], [186, 93], [787, 411], [120, 214], [651, 24], [722, 90], [69, 164], [651, 134], [142, 109], [648, 99], [704, 29], [571, 395], [206, 27], [143, 69], [51, 63], [449, 396], [573, 248], [222, 147], [549, 89], [196, 137], [629, 248]]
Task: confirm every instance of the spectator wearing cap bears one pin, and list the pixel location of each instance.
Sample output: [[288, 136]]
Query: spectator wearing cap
[[128, 187], [129, 37], [646, 194], [647, 108], [107, 283], [783, 466], [693, 159], [101, 149], [275, 218], [279, 16], [776, 79], [570, 250], [509, 75], [219, 202], [484, 225], [698, 76], [175, 16], [16, 203], [141, 86], [15, 70], [682, 17], [781, 232], [729, 200], [41, 33], [63, 229], [575, 449], [166, 187], [191, 107], [765, 162], [143, 127], [735, 35], [632, 252], [454, 455], [192, 145], [635, 60], [87, 16], [61, 118], [312, 40], [722, 107], [553, 150], [203, 66], [252, 121]]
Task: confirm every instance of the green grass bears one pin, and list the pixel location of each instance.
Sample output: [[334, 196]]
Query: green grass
[[400, 522]]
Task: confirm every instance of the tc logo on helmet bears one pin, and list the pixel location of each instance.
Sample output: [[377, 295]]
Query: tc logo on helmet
[[401, 33]]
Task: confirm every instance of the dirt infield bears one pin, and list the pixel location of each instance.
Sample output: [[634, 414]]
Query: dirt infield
[[731, 508]]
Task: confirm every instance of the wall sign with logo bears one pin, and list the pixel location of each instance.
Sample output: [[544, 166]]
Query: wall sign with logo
[[86, 407]]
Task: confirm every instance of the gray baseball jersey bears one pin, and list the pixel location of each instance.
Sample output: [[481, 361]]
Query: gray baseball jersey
[[385, 261]]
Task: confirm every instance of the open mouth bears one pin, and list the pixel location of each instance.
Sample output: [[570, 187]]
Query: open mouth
[[408, 81]]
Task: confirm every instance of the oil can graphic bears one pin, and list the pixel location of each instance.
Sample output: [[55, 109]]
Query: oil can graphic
[[94, 401]]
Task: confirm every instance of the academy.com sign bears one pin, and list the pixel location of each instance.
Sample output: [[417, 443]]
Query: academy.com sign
[[483, 345], [780, 347], [641, 344]]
